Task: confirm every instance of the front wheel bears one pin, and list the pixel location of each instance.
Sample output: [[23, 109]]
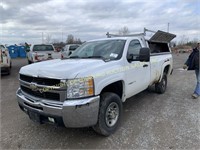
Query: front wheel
[[9, 71], [110, 113], [161, 86]]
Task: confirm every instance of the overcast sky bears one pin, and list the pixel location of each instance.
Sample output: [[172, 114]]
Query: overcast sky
[[26, 20]]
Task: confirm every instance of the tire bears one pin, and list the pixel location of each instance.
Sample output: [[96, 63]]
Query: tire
[[8, 73], [29, 62], [110, 113], [161, 86]]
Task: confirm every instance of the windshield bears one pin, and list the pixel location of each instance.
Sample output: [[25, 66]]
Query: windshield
[[107, 49], [43, 48], [73, 47]]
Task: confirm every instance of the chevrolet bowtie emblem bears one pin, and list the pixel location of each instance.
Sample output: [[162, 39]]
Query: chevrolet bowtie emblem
[[33, 86]]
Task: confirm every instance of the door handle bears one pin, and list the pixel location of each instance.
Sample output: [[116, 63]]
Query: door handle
[[145, 65]]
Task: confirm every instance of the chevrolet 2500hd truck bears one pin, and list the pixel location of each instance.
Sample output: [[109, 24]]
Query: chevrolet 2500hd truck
[[89, 87], [42, 52], [5, 60]]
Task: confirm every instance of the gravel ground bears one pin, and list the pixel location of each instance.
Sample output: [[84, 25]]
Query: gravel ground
[[150, 120]]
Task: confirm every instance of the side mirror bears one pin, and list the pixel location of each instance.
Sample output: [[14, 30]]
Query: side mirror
[[144, 54], [27, 49], [70, 53], [130, 57]]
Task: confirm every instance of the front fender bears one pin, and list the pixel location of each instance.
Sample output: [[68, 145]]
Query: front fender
[[102, 82]]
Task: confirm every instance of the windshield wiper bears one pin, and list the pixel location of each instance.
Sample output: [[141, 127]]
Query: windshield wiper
[[74, 57], [100, 57], [95, 57], [71, 57]]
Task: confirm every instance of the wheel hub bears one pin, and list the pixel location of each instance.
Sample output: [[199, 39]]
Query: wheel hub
[[112, 114]]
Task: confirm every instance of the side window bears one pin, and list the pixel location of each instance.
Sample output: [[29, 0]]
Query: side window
[[134, 48]]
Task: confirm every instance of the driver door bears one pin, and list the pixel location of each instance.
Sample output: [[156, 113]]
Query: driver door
[[138, 74]]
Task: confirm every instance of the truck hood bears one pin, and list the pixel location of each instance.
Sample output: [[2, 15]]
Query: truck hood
[[62, 69]]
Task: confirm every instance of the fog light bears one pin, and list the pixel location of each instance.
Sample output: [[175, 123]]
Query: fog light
[[51, 119]]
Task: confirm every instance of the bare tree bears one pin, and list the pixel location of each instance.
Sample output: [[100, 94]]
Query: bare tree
[[70, 39], [124, 31], [55, 41], [48, 38], [183, 40], [79, 41]]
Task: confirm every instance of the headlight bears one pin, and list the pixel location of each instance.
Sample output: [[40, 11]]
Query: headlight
[[78, 88]]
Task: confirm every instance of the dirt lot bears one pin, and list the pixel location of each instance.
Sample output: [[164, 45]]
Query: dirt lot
[[168, 121]]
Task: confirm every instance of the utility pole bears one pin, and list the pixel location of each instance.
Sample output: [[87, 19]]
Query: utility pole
[[62, 36], [168, 27], [42, 38]]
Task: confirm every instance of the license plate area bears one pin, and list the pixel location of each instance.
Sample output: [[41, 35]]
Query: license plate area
[[49, 56], [42, 118], [34, 116]]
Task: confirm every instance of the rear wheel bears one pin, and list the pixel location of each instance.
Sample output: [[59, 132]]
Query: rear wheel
[[8, 71], [29, 62], [161, 86], [110, 112]]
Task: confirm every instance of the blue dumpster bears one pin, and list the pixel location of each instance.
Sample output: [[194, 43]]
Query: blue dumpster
[[13, 51], [21, 51]]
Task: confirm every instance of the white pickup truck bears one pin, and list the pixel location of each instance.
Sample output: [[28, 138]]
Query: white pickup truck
[[89, 87], [68, 49], [5, 60], [42, 52]]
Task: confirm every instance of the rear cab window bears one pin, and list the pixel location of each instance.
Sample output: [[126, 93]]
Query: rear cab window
[[43, 48], [73, 47]]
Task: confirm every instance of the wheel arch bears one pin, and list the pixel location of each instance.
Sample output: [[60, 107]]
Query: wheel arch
[[117, 87], [165, 69]]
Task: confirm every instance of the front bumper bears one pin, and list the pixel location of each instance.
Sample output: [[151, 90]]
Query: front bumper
[[73, 113], [5, 69]]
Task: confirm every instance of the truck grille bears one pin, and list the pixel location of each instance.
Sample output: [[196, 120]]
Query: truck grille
[[45, 95], [40, 81]]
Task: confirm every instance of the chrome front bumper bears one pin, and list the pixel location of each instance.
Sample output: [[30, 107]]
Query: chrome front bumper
[[74, 113]]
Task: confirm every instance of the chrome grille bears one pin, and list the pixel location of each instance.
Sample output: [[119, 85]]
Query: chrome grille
[[45, 95], [39, 80], [44, 88]]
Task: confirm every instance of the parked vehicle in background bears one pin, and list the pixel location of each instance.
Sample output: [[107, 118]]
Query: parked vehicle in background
[[68, 49], [5, 60], [42, 52], [89, 87]]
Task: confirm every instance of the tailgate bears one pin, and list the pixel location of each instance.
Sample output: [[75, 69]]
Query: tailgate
[[47, 55], [41, 56], [56, 55]]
